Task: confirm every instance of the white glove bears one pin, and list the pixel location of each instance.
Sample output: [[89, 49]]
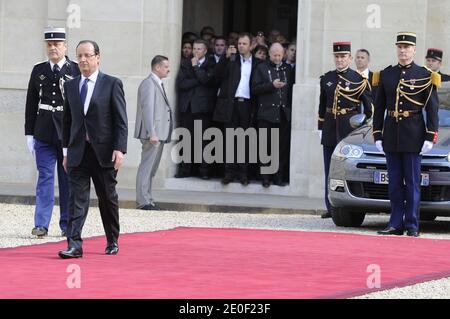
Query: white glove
[[379, 145], [427, 147], [30, 143]]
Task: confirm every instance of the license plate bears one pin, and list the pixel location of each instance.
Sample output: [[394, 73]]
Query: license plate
[[383, 179]]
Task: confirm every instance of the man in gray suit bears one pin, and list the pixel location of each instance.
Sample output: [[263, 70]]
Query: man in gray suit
[[154, 125]]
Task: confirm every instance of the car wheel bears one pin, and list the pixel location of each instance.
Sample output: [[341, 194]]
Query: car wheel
[[427, 217], [345, 218]]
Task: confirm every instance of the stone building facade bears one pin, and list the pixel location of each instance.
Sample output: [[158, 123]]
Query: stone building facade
[[131, 32]]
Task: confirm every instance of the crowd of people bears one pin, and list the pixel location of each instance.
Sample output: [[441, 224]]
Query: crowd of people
[[237, 81]]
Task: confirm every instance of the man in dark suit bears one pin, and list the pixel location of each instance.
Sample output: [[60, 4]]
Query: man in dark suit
[[197, 96], [235, 104], [95, 129], [43, 122]]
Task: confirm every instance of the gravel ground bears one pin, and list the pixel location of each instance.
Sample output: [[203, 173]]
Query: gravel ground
[[16, 222]]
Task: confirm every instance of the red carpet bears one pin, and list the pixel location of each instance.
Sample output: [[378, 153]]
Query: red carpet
[[224, 263]]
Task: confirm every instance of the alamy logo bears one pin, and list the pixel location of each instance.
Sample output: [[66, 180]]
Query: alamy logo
[[238, 146]]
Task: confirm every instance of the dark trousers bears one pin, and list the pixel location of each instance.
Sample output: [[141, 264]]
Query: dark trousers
[[47, 156], [187, 120], [241, 119], [404, 170], [284, 143], [327, 153], [105, 186]]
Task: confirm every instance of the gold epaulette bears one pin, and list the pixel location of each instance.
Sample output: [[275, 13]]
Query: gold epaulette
[[376, 78], [436, 79]]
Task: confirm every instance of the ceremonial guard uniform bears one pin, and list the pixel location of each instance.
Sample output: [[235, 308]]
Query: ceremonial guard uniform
[[438, 54], [405, 93], [43, 120], [341, 95]]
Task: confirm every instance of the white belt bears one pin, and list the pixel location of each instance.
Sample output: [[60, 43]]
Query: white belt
[[51, 108]]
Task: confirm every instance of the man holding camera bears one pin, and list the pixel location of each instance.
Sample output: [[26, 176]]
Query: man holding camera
[[272, 84], [235, 104]]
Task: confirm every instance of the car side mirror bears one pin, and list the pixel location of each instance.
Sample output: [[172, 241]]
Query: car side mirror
[[358, 120]]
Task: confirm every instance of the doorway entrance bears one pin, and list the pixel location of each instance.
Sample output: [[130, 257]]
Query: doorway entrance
[[242, 15]]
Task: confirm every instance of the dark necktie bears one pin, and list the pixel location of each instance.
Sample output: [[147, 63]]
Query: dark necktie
[[83, 92], [164, 91], [56, 70]]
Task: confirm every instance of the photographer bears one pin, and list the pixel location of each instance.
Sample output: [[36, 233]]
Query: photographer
[[272, 85], [235, 105]]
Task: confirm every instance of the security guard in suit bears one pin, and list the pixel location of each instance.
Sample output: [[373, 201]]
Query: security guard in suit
[[342, 93], [434, 63], [405, 92], [43, 120]]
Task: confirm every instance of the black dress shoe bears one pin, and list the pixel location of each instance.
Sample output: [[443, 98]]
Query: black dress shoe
[[205, 177], [112, 249], [326, 215], [40, 232], [150, 207], [413, 233], [71, 253], [266, 183], [278, 181], [391, 231], [182, 175], [227, 179], [244, 181]]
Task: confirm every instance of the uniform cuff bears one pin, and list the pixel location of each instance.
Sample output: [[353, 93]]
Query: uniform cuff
[[65, 152], [432, 137], [320, 124], [378, 136]]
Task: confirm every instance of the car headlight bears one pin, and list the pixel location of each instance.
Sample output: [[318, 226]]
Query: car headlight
[[344, 151]]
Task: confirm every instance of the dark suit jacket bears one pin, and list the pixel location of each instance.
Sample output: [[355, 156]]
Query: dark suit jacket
[[197, 87], [105, 122], [229, 74], [270, 100]]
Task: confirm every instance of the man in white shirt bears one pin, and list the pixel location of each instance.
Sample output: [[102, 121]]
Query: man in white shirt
[[95, 135], [235, 104]]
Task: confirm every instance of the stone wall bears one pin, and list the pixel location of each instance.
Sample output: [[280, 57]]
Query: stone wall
[[131, 32]]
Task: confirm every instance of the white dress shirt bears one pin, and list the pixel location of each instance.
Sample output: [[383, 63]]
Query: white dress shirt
[[243, 90], [365, 73], [200, 62], [157, 79], [91, 85], [60, 64]]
